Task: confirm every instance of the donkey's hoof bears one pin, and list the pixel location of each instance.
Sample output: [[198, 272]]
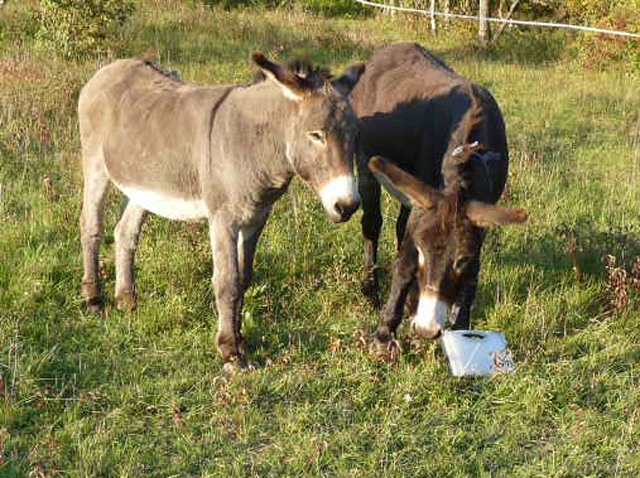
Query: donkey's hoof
[[388, 351], [237, 366], [126, 301], [93, 299], [94, 305], [370, 291], [232, 368]]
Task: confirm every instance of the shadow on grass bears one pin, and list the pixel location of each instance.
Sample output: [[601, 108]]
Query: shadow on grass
[[576, 250], [175, 296], [282, 307]]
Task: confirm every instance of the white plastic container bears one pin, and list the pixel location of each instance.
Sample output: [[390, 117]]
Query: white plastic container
[[477, 352]]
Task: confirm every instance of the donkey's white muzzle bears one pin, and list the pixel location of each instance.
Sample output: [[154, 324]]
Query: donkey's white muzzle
[[340, 198], [430, 317]]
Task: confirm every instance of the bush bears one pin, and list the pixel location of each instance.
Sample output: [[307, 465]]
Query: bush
[[18, 27], [598, 51], [330, 8], [344, 8], [81, 28]]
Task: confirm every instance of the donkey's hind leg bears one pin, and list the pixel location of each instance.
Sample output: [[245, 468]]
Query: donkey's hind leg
[[96, 182], [127, 234]]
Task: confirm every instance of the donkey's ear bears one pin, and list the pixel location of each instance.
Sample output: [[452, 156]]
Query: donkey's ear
[[292, 86], [345, 83], [483, 214], [406, 188]]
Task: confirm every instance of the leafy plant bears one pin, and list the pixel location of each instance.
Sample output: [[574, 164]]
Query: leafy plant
[[597, 51], [622, 286], [80, 28]]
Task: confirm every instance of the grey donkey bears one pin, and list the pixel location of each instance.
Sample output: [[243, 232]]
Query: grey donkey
[[220, 153]]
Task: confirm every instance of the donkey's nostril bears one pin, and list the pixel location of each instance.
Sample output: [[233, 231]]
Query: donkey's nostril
[[346, 208]]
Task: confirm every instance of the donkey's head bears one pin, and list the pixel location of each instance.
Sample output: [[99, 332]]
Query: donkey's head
[[443, 227], [321, 137]]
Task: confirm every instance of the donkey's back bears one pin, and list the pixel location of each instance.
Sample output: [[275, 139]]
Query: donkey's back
[[410, 103], [150, 131]]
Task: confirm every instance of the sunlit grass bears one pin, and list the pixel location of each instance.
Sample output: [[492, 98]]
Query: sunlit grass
[[143, 394]]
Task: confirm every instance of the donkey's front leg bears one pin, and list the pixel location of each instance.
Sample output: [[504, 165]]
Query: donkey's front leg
[[369, 189], [248, 235], [404, 272], [460, 316], [227, 289]]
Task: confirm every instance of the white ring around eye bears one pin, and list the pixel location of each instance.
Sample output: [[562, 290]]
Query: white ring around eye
[[420, 257]]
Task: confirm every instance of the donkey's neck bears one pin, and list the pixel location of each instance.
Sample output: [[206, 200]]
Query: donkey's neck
[[267, 120]]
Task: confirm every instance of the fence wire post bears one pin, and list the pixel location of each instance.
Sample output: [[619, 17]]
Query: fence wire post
[[484, 33], [434, 27]]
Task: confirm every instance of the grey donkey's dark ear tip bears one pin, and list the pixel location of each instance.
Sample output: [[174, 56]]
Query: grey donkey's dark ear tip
[[376, 164], [353, 72], [358, 66], [259, 58]]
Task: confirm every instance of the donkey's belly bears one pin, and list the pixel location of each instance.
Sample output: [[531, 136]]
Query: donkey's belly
[[166, 205]]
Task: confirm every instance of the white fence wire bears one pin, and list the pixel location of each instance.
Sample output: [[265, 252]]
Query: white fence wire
[[498, 20]]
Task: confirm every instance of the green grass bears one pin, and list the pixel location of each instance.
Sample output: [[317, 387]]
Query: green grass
[[143, 394]]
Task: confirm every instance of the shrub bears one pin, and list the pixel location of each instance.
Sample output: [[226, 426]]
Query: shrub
[[597, 51], [331, 8], [81, 28]]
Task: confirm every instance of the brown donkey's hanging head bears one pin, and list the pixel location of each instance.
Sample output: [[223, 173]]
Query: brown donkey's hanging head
[[321, 144], [443, 225]]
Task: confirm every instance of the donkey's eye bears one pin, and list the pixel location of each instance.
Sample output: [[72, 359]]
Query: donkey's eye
[[461, 263], [317, 137]]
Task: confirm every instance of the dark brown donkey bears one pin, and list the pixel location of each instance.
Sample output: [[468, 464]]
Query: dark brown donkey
[[411, 107], [220, 153]]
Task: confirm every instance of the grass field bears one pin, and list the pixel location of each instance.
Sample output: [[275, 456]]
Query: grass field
[[143, 394]]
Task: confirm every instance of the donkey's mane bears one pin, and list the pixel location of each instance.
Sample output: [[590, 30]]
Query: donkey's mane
[[306, 69], [166, 72], [459, 150], [302, 68]]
